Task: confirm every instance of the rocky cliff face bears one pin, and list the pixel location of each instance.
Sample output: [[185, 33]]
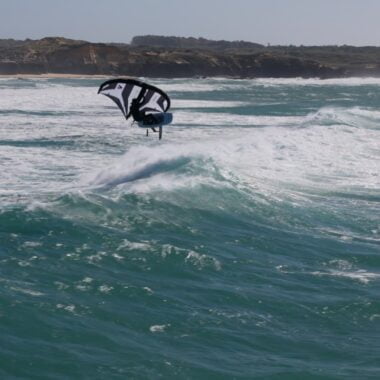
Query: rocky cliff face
[[60, 55]]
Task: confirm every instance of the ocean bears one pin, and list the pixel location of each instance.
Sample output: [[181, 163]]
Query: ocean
[[243, 245]]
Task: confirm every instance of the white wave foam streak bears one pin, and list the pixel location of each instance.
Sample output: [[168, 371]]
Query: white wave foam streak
[[181, 103], [221, 84], [55, 112], [321, 157], [345, 269], [355, 116], [29, 173], [51, 99], [143, 162], [332, 156], [327, 158], [228, 119], [196, 85], [354, 81], [300, 153], [34, 127]]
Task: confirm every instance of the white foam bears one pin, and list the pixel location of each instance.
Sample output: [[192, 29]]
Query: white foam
[[353, 81], [334, 149], [158, 328], [105, 288], [181, 103], [130, 246], [332, 156], [202, 261], [354, 116], [69, 308], [233, 120], [220, 84], [359, 275], [344, 268], [29, 292], [191, 86]]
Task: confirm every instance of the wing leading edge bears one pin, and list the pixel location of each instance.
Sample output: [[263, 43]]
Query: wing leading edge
[[123, 91]]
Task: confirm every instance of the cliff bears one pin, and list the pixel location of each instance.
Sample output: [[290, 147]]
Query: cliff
[[154, 56]]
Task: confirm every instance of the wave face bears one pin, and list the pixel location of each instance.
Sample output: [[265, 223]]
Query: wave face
[[245, 244]]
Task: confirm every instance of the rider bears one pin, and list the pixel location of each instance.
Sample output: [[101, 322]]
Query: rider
[[136, 113], [140, 115]]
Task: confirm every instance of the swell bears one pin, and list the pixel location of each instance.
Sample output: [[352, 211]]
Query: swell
[[194, 264], [358, 117], [266, 239]]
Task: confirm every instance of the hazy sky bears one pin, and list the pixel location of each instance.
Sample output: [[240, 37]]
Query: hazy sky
[[307, 22]]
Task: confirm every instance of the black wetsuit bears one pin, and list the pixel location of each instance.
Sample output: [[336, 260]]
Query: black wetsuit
[[135, 111], [139, 115]]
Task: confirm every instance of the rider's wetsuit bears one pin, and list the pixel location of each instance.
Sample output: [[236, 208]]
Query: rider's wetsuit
[[139, 115], [136, 113]]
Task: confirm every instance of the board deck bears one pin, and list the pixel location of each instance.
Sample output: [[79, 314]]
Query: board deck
[[163, 118]]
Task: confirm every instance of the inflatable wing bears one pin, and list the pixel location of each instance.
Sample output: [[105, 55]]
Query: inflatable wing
[[123, 91]]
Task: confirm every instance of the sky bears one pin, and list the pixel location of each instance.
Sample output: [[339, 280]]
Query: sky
[[275, 22]]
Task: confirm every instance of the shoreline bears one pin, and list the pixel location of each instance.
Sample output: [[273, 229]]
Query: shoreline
[[53, 76], [105, 76]]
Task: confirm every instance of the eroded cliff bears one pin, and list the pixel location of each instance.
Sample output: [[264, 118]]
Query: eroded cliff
[[60, 55]]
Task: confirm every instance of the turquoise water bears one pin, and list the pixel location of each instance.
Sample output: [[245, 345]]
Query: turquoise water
[[245, 244]]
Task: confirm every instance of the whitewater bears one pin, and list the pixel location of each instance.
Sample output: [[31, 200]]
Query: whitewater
[[244, 244]]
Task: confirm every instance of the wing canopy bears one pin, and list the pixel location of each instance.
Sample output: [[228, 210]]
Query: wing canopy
[[123, 91]]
